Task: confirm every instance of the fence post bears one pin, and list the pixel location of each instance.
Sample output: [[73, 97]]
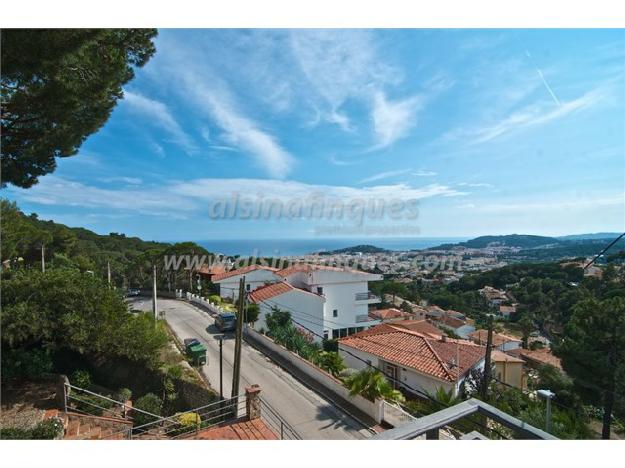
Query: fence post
[[252, 402]]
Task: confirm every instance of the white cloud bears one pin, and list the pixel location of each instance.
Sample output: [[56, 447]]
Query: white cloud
[[392, 120], [182, 198], [125, 180], [160, 114], [532, 115], [475, 184], [383, 175], [213, 98], [424, 173]]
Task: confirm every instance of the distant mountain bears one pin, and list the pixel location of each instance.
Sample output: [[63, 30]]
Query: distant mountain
[[524, 241], [596, 235]]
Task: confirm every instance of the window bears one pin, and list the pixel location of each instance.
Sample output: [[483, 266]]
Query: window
[[335, 334], [325, 335], [247, 286], [319, 290], [335, 313]]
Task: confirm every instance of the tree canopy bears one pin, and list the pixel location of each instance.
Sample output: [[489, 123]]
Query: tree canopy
[[593, 352], [64, 308], [59, 86]]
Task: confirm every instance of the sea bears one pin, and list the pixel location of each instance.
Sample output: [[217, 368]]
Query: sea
[[292, 247]]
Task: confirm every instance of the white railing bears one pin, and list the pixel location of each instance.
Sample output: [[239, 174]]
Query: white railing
[[214, 308], [394, 415], [365, 296], [362, 318]]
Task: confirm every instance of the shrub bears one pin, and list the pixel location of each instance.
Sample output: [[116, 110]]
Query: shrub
[[189, 419], [81, 378], [123, 394], [45, 430], [25, 363], [331, 345], [215, 299], [91, 404], [150, 403], [48, 429]]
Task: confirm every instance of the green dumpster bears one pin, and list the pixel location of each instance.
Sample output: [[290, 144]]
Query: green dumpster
[[197, 353]]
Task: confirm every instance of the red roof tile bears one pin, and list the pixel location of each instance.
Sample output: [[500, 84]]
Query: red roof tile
[[417, 351], [307, 267], [241, 271], [481, 337], [254, 429], [385, 314], [270, 290], [419, 326]]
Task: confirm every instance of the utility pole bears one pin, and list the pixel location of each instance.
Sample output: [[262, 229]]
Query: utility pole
[[43, 258], [221, 368], [487, 360], [154, 310], [108, 271], [236, 371]]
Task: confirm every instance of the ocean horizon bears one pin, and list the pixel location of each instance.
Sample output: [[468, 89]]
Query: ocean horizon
[[290, 247]]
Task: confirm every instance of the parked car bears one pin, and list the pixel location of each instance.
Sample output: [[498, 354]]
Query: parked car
[[133, 292], [196, 351], [226, 322]]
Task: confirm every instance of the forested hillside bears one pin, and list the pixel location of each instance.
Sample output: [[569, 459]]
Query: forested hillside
[[130, 258]]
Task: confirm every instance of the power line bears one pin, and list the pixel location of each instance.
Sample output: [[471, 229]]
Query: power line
[[604, 250]]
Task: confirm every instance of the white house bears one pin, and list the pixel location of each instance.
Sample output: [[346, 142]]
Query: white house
[[306, 308], [411, 360], [255, 277], [346, 296]]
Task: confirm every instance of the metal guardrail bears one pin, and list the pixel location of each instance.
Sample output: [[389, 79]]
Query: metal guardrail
[[279, 427], [81, 401]]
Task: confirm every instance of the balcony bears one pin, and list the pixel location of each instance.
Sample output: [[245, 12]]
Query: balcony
[[367, 297]]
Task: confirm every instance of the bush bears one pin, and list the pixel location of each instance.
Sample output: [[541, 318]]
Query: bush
[[331, 345], [45, 430], [91, 404], [81, 378], [150, 403], [48, 429], [215, 299], [25, 363], [123, 394]]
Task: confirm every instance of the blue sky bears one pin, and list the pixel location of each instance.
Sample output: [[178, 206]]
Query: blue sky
[[493, 132]]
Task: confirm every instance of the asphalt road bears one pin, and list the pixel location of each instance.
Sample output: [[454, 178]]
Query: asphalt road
[[309, 414]]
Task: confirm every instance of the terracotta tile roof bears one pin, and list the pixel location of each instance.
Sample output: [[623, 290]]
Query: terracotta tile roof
[[451, 322], [540, 356], [386, 314], [417, 351], [419, 326], [270, 290], [212, 270], [307, 267], [499, 356], [481, 337], [254, 429], [240, 271]]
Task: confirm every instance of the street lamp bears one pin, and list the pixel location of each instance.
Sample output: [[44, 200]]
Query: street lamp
[[547, 395]]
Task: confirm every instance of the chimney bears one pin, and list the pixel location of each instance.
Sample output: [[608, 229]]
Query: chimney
[[443, 338]]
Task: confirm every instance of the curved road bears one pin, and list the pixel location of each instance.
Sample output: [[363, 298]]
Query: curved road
[[309, 414]]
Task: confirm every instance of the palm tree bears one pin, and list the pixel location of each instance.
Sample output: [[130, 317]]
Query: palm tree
[[371, 384], [330, 362]]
